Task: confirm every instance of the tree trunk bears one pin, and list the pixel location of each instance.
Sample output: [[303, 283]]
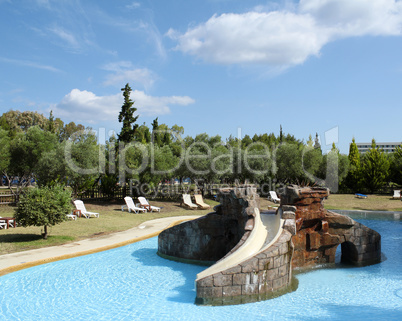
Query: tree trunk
[[44, 235]]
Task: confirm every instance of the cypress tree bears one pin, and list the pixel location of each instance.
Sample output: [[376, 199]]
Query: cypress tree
[[156, 137], [353, 179], [126, 116], [375, 168]]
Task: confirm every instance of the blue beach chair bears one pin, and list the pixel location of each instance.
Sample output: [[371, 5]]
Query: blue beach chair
[[360, 195]]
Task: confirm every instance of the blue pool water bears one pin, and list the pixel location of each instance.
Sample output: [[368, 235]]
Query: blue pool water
[[133, 283]]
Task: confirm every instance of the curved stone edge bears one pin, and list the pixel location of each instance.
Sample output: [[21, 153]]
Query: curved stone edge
[[360, 244], [216, 235], [130, 240], [266, 275], [248, 248]]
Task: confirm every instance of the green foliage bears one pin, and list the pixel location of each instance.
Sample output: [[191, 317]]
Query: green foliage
[[51, 168], [333, 169], [56, 153], [317, 144], [142, 134], [26, 150], [4, 151], [312, 159], [375, 168], [288, 159], [396, 166], [74, 162], [246, 141], [67, 131], [353, 179], [43, 206], [109, 184], [126, 116], [16, 122]]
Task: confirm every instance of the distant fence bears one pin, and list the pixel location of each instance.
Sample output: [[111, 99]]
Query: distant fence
[[171, 192], [96, 194], [6, 198], [161, 192]]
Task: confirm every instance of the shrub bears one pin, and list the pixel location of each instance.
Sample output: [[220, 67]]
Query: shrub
[[43, 206]]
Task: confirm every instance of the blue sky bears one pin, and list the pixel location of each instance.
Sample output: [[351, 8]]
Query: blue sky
[[332, 67]]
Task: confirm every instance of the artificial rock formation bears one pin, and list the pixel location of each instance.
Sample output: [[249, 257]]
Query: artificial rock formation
[[213, 236], [217, 235], [306, 235], [319, 232]]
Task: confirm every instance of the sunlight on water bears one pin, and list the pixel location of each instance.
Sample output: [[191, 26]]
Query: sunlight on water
[[133, 283]]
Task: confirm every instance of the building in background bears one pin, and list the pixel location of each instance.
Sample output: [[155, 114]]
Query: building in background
[[386, 147]]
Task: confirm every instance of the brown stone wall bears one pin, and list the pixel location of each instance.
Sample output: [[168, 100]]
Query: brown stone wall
[[319, 232], [310, 236], [266, 275]]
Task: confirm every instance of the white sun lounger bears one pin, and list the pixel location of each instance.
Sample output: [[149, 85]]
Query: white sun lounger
[[131, 206], [188, 203], [200, 202], [81, 207], [273, 197], [144, 204]]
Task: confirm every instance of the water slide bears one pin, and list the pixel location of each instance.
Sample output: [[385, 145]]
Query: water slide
[[267, 228]]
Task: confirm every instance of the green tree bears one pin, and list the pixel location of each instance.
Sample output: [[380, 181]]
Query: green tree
[[396, 166], [257, 162], [43, 206], [126, 116], [68, 130], [82, 157], [354, 176], [15, 121], [312, 158], [246, 141], [26, 149], [74, 162], [288, 163], [4, 154], [51, 127], [52, 167], [375, 168], [317, 144], [142, 134], [333, 169], [310, 141]]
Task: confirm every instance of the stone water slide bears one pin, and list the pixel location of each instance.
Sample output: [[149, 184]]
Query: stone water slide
[[251, 255], [249, 252]]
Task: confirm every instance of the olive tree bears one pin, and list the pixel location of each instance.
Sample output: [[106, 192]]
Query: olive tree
[[43, 206]]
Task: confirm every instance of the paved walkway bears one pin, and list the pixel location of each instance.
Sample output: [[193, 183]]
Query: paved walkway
[[21, 260]]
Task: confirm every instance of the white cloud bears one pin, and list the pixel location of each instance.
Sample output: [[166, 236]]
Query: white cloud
[[287, 37], [66, 37], [278, 38], [133, 5], [150, 105], [86, 107], [28, 63], [345, 18], [124, 72]]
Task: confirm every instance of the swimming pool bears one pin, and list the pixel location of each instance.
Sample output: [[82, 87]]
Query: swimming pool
[[133, 283]]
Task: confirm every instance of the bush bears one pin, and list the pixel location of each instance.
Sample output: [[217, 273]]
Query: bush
[[43, 206]]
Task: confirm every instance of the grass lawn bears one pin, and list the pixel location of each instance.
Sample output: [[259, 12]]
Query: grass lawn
[[112, 219], [372, 203]]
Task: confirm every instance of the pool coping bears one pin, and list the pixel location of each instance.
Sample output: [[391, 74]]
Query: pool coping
[[394, 214], [21, 260], [13, 262]]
